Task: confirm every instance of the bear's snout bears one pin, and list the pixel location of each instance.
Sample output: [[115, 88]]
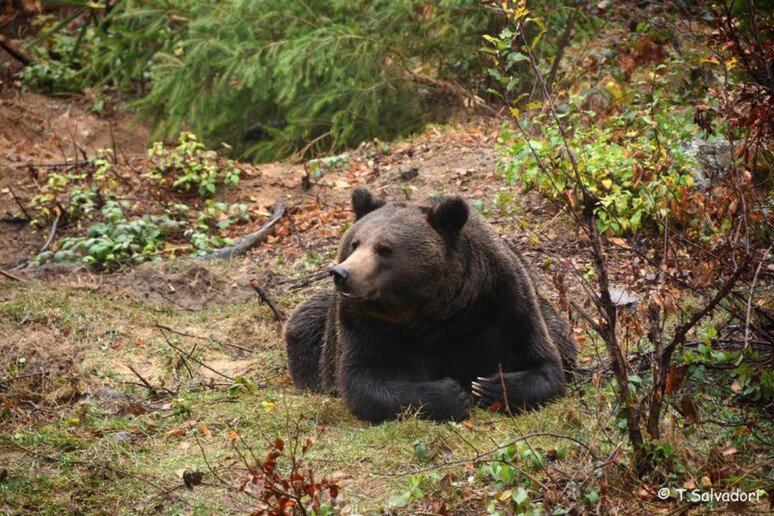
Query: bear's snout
[[340, 276]]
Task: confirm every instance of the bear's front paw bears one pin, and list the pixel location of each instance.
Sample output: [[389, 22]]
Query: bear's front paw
[[489, 392], [452, 401]]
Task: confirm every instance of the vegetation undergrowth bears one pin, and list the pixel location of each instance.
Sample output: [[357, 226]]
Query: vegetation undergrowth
[[123, 219]]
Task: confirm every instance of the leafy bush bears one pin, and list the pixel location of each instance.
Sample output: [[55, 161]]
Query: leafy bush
[[633, 162], [633, 175], [57, 62], [190, 166]]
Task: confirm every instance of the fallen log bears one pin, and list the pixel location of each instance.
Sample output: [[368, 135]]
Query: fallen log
[[247, 242], [14, 52]]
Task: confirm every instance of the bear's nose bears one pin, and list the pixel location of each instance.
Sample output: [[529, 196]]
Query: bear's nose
[[340, 275]]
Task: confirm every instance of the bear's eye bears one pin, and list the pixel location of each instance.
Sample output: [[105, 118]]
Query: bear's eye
[[354, 244], [383, 249]]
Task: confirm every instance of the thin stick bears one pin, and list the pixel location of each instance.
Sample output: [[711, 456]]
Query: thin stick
[[279, 315], [24, 376], [145, 382], [11, 276], [216, 341], [18, 202], [51, 235], [749, 306], [192, 358]]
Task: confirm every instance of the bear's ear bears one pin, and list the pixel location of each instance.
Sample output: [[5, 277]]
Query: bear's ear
[[449, 215], [363, 202]]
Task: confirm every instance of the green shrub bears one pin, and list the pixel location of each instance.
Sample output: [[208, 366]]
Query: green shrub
[[633, 163], [632, 179], [190, 166], [57, 62]]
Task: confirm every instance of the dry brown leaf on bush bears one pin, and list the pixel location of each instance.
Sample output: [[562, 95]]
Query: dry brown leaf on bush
[[674, 379], [690, 410]]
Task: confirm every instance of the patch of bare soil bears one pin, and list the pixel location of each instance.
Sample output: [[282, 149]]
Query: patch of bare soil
[[194, 286]]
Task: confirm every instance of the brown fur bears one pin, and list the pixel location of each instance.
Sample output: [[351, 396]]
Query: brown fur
[[429, 305]]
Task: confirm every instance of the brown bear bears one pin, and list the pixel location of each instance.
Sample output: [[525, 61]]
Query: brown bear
[[429, 306]]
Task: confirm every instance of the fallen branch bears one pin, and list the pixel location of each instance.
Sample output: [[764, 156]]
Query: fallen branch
[[279, 315], [14, 52], [19, 203], [247, 242], [51, 235], [11, 276], [10, 219], [145, 382]]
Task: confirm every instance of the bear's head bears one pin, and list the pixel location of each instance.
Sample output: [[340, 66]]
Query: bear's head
[[398, 262]]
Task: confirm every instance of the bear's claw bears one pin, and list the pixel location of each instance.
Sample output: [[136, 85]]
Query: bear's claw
[[487, 390]]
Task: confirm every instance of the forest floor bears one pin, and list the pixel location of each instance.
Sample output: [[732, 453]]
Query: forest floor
[[125, 383]]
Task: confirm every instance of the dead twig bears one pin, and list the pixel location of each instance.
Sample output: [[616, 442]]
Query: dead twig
[[145, 382], [484, 454], [308, 280], [247, 242], [25, 376], [279, 315], [51, 235], [749, 307], [188, 356], [11, 276], [14, 51], [216, 341], [19, 203]]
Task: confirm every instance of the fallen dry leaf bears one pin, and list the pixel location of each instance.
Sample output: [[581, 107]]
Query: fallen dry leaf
[[729, 450]]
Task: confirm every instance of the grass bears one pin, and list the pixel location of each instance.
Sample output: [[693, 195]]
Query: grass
[[73, 442]]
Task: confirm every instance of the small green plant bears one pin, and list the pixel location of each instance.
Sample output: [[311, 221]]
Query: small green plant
[[411, 493], [57, 65], [119, 232], [15, 368], [191, 167], [76, 193], [242, 385], [321, 166]]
